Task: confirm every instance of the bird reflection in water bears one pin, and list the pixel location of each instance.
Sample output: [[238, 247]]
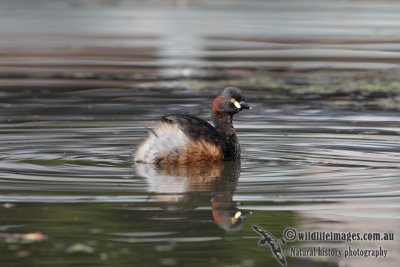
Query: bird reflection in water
[[186, 187]]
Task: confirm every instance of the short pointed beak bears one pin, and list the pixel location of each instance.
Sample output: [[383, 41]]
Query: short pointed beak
[[244, 105]]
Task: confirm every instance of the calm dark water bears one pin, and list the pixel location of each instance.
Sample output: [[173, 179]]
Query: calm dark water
[[80, 83]]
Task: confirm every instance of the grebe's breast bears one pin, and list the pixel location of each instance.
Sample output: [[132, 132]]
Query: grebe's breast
[[180, 139]]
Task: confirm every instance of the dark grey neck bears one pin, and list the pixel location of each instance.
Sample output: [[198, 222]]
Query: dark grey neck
[[223, 125]]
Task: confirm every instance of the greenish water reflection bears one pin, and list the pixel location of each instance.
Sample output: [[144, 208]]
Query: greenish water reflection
[[129, 234]]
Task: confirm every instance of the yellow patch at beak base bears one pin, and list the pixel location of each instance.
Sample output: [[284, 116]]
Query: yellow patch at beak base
[[237, 214], [237, 105]]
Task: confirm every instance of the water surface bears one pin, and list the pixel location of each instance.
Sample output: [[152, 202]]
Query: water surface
[[81, 84]]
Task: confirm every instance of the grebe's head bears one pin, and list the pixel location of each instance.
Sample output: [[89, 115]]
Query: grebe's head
[[230, 101]]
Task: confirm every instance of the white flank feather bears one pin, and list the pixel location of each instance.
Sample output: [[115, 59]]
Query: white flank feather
[[164, 141]]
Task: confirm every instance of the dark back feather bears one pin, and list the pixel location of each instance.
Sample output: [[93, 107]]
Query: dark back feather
[[194, 127]]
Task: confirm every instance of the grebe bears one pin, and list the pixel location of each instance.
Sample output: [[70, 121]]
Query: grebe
[[186, 139]]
